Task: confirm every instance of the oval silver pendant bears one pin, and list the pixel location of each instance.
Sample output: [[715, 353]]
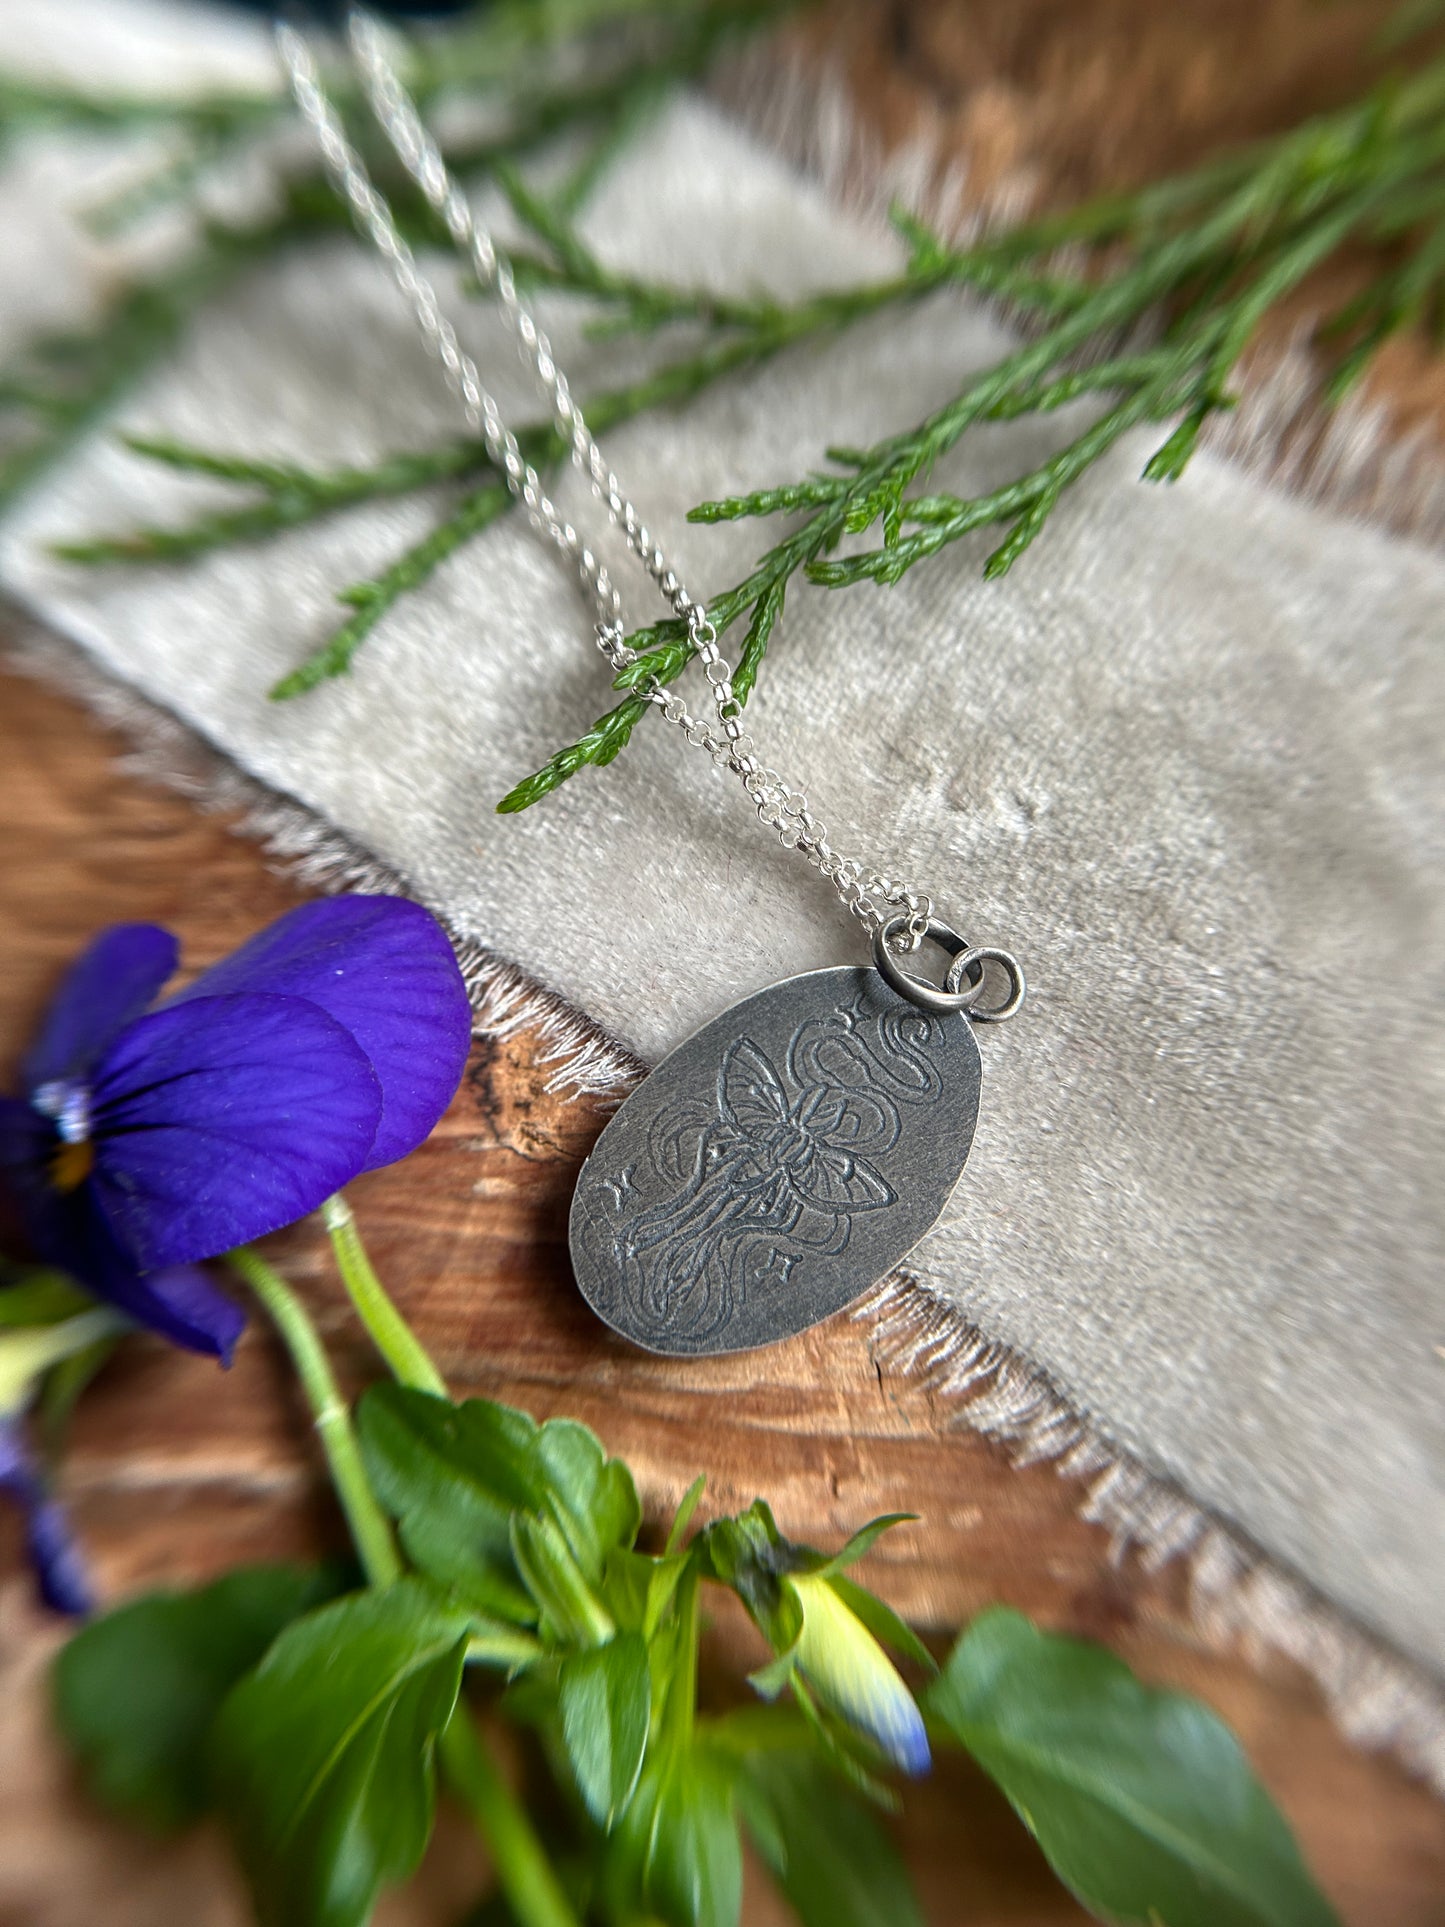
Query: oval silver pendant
[[775, 1165]]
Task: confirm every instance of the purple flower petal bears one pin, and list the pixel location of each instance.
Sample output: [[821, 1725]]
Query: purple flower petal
[[26, 1142], [220, 1119], [16, 1471], [58, 1562], [106, 988], [179, 1302], [71, 1231], [25, 1136], [182, 1303], [384, 968], [59, 1567]]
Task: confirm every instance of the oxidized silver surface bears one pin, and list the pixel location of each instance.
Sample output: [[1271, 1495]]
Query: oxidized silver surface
[[775, 1165]]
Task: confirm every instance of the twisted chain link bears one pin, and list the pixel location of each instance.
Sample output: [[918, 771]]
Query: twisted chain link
[[873, 899]]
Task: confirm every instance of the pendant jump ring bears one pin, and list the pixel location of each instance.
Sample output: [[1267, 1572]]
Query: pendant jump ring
[[976, 960], [916, 989], [970, 963]]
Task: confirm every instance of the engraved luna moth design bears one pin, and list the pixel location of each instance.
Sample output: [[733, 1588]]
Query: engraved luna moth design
[[777, 1164]]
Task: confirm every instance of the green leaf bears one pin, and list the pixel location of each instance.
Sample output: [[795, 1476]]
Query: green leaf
[[833, 1861], [678, 1852], [864, 1539], [40, 1297], [696, 1870], [570, 1611], [454, 1476], [548, 223], [592, 1497], [494, 1642], [605, 740], [1142, 1800], [868, 508], [323, 1757], [636, 1587], [451, 1476], [817, 489], [606, 1701], [770, 1680], [1171, 458], [136, 1691], [766, 611], [683, 1517], [371, 600], [666, 659]]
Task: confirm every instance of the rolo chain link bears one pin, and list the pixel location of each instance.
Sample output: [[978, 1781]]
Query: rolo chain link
[[873, 899]]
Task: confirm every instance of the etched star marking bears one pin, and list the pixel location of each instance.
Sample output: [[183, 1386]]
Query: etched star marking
[[622, 1186], [779, 1268]]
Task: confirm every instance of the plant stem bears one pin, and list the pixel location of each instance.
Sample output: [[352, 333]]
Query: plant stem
[[523, 1869], [27, 1351], [680, 1714], [292, 495], [371, 599], [370, 1529], [143, 323], [521, 1864], [389, 1331]]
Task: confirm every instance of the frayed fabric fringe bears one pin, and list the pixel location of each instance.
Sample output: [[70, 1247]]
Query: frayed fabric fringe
[[1238, 1596]]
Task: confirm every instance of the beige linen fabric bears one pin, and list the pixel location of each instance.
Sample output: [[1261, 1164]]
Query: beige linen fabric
[[1185, 760]]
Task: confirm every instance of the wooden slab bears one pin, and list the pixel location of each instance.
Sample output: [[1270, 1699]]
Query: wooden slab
[[178, 1470]]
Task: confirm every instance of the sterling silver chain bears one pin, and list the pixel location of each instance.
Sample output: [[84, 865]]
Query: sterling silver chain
[[895, 916], [875, 900]]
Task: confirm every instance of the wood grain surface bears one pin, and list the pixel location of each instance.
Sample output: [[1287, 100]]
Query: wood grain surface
[[177, 1471]]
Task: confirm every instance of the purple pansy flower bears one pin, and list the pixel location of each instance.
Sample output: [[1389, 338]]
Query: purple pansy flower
[[59, 1567], [149, 1139]]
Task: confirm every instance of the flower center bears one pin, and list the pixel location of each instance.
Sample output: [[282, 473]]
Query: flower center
[[69, 1106], [71, 1165]]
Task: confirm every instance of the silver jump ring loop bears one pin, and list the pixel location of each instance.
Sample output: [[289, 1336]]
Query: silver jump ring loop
[[916, 989], [967, 962]]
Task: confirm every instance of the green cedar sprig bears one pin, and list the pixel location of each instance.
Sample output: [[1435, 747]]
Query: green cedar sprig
[[1164, 291], [1206, 259], [624, 50]]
